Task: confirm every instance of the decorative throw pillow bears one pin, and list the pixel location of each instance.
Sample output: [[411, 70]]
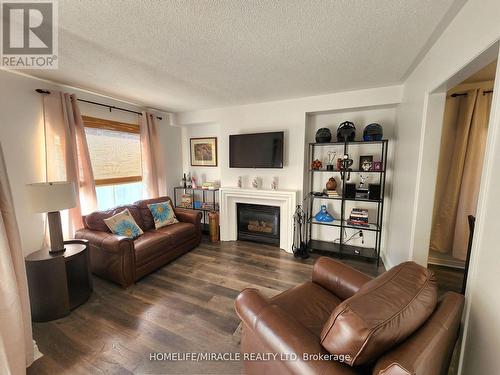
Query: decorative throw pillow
[[123, 224], [163, 214]]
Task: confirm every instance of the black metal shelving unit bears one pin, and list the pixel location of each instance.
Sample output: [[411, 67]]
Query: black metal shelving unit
[[341, 249], [211, 206]]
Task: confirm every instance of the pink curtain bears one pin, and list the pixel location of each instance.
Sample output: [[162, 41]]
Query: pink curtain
[[68, 154], [153, 171], [16, 342]]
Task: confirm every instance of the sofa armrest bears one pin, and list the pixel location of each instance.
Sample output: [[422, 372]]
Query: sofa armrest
[[106, 241], [338, 278], [428, 351], [111, 256], [282, 334], [188, 216]]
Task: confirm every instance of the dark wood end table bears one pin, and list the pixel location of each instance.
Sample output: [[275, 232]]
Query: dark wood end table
[[58, 283]]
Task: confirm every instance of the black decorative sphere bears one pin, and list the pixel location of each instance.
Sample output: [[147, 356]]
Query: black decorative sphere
[[323, 135], [346, 132], [373, 132]]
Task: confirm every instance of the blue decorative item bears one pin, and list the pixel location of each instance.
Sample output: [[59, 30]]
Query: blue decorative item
[[373, 132], [323, 215]]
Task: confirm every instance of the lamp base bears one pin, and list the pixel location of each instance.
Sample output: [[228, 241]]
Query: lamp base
[[55, 232]]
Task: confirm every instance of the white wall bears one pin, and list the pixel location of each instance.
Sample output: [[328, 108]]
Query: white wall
[[21, 136], [473, 30]]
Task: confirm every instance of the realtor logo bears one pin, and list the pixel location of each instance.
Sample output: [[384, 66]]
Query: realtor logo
[[29, 34]]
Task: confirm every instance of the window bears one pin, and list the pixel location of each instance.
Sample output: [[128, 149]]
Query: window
[[115, 155]]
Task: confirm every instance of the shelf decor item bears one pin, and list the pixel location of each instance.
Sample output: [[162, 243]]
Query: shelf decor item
[[203, 152], [274, 183], [377, 166], [365, 163], [331, 159], [323, 215], [323, 135], [316, 164], [256, 182], [359, 217], [373, 132], [331, 184], [52, 197], [346, 132]]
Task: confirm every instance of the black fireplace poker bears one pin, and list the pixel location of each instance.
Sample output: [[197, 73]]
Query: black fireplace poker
[[299, 247]]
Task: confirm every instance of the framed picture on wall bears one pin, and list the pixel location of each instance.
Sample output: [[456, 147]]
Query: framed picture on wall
[[203, 152]]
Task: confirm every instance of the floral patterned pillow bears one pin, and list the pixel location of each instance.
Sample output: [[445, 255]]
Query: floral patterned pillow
[[123, 224], [163, 214]]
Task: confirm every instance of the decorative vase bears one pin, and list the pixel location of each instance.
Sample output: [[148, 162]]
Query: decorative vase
[[274, 183], [323, 215], [331, 184]]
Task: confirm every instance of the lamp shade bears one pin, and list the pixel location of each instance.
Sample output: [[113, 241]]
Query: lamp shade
[[52, 196]]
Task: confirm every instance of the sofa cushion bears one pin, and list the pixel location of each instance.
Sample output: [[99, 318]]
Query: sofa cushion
[[147, 217], [384, 312], [309, 304], [151, 245], [95, 220], [163, 214], [123, 224], [179, 232]]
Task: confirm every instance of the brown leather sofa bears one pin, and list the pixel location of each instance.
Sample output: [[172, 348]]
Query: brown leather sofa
[[123, 260], [391, 325]]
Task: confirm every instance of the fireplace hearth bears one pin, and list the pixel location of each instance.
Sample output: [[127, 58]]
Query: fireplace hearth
[[258, 223]]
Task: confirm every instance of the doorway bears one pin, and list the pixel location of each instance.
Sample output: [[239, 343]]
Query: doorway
[[463, 142]]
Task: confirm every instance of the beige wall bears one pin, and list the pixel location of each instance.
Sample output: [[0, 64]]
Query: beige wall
[[21, 135]]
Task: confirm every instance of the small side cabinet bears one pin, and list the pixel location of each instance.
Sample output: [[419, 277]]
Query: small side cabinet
[[58, 283]]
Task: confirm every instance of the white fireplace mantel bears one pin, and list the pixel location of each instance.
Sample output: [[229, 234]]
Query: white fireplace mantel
[[284, 199]]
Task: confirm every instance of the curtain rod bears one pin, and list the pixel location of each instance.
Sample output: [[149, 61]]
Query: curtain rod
[[465, 94], [111, 107]]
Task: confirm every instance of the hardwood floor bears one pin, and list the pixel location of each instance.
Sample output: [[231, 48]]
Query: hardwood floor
[[187, 306]]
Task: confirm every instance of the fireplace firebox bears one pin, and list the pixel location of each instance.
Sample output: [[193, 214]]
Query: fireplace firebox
[[258, 223]]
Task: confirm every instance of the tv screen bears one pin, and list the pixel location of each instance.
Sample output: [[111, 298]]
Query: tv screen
[[259, 150]]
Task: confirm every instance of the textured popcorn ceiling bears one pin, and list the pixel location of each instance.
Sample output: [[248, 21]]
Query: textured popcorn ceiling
[[193, 54]]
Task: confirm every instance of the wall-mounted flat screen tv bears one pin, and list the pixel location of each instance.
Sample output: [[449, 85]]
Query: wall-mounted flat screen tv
[[258, 150]]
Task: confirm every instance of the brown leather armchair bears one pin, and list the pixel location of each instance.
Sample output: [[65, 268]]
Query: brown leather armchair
[[123, 260], [297, 325]]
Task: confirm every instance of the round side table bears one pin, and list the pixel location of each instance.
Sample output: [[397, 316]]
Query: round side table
[[60, 282]]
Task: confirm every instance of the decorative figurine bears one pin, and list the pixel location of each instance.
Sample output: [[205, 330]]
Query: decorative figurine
[[331, 159], [346, 166], [323, 215], [362, 192], [316, 164], [255, 182], [274, 183], [193, 182], [377, 166]]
